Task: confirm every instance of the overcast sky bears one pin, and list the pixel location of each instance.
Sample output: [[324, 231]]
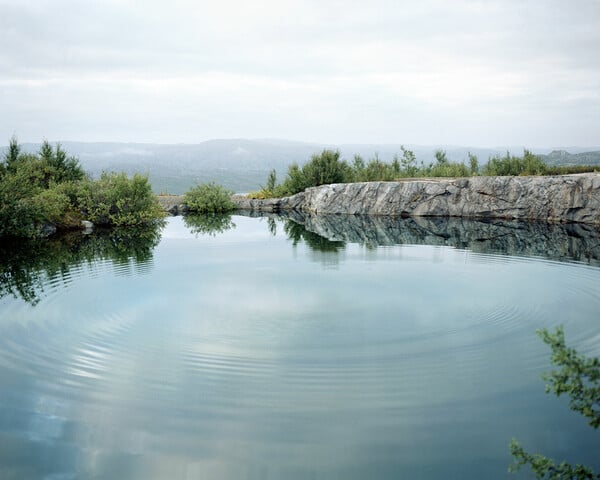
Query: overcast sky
[[477, 73]]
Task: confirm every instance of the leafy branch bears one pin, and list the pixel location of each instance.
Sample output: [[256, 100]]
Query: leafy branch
[[578, 377]]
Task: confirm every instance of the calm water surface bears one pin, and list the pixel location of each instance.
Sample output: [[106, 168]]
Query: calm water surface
[[254, 348]]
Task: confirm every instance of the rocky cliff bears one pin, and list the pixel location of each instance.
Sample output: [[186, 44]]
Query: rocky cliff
[[554, 199]]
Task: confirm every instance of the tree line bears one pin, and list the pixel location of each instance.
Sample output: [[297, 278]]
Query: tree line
[[327, 167], [49, 190]]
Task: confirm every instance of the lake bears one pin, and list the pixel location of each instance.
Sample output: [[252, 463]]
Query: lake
[[293, 348]]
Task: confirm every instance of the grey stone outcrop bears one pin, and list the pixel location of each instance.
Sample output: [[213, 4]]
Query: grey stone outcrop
[[173, 204], [554, 199], [294, 202]]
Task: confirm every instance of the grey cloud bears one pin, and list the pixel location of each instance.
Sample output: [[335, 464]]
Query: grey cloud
[[325, 71]]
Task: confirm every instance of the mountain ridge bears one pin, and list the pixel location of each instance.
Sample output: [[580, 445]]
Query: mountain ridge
[[242, 164]]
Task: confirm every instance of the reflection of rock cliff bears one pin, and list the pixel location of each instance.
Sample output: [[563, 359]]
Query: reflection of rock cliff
[[557, 242], [568, 198]]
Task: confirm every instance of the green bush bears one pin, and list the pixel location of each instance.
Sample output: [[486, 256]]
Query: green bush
[[23, 216], [117, 200], [325, 168], [448, 169], [374, 170], [209, 198], [52, 188], [444, 167], [528, 164], [322, 169], [29, 195], [295, 182]]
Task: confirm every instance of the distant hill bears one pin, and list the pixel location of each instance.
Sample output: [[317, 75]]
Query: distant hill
[[243, 165], [238, 164], [562, 157]]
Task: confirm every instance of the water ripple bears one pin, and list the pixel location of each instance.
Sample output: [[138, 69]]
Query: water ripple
[[274, 365]]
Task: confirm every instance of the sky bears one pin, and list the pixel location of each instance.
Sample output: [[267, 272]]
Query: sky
[[429, 72]]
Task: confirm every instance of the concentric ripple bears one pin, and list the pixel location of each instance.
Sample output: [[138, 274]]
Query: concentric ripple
[[243, 357]]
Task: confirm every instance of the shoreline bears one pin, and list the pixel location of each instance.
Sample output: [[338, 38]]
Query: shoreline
[[553, 199]]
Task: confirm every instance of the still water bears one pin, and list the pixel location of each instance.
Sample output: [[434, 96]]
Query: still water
[[268, 348]]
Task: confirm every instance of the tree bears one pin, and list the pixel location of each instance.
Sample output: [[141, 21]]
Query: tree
[[408, 162], [473, 164], [579, 378], [43, 192], [440, 157], [11, 156], [324, 169], [67, 169], [271, 181]]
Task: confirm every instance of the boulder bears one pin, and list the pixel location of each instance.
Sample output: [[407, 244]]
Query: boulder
[[554, 199], [565, 198]]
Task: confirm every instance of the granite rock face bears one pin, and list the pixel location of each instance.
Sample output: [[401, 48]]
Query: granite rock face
[[172, 204], [554, 199], [294, 202]]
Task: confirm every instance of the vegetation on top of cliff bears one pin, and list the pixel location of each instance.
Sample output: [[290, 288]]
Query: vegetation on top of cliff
[[51, 189], [327, 167]]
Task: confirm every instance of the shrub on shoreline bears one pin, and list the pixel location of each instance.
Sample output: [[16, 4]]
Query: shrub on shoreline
[[50, 188], [115, 199], [209, 198]]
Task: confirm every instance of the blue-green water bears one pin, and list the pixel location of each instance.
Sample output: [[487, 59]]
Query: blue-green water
[[353, 350]]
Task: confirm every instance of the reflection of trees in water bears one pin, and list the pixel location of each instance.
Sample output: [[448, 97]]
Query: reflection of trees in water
[[208, 223], [565, 242], [272, 225], [27, 265], [297, 233]]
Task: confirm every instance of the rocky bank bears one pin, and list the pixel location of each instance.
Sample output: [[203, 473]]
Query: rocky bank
[[553, 199]]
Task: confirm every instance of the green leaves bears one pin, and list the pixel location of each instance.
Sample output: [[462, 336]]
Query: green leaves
[[324, 168], [116, 199], [528, 164], [579, 378], [52, 188], [209, 198], [545, 468]]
